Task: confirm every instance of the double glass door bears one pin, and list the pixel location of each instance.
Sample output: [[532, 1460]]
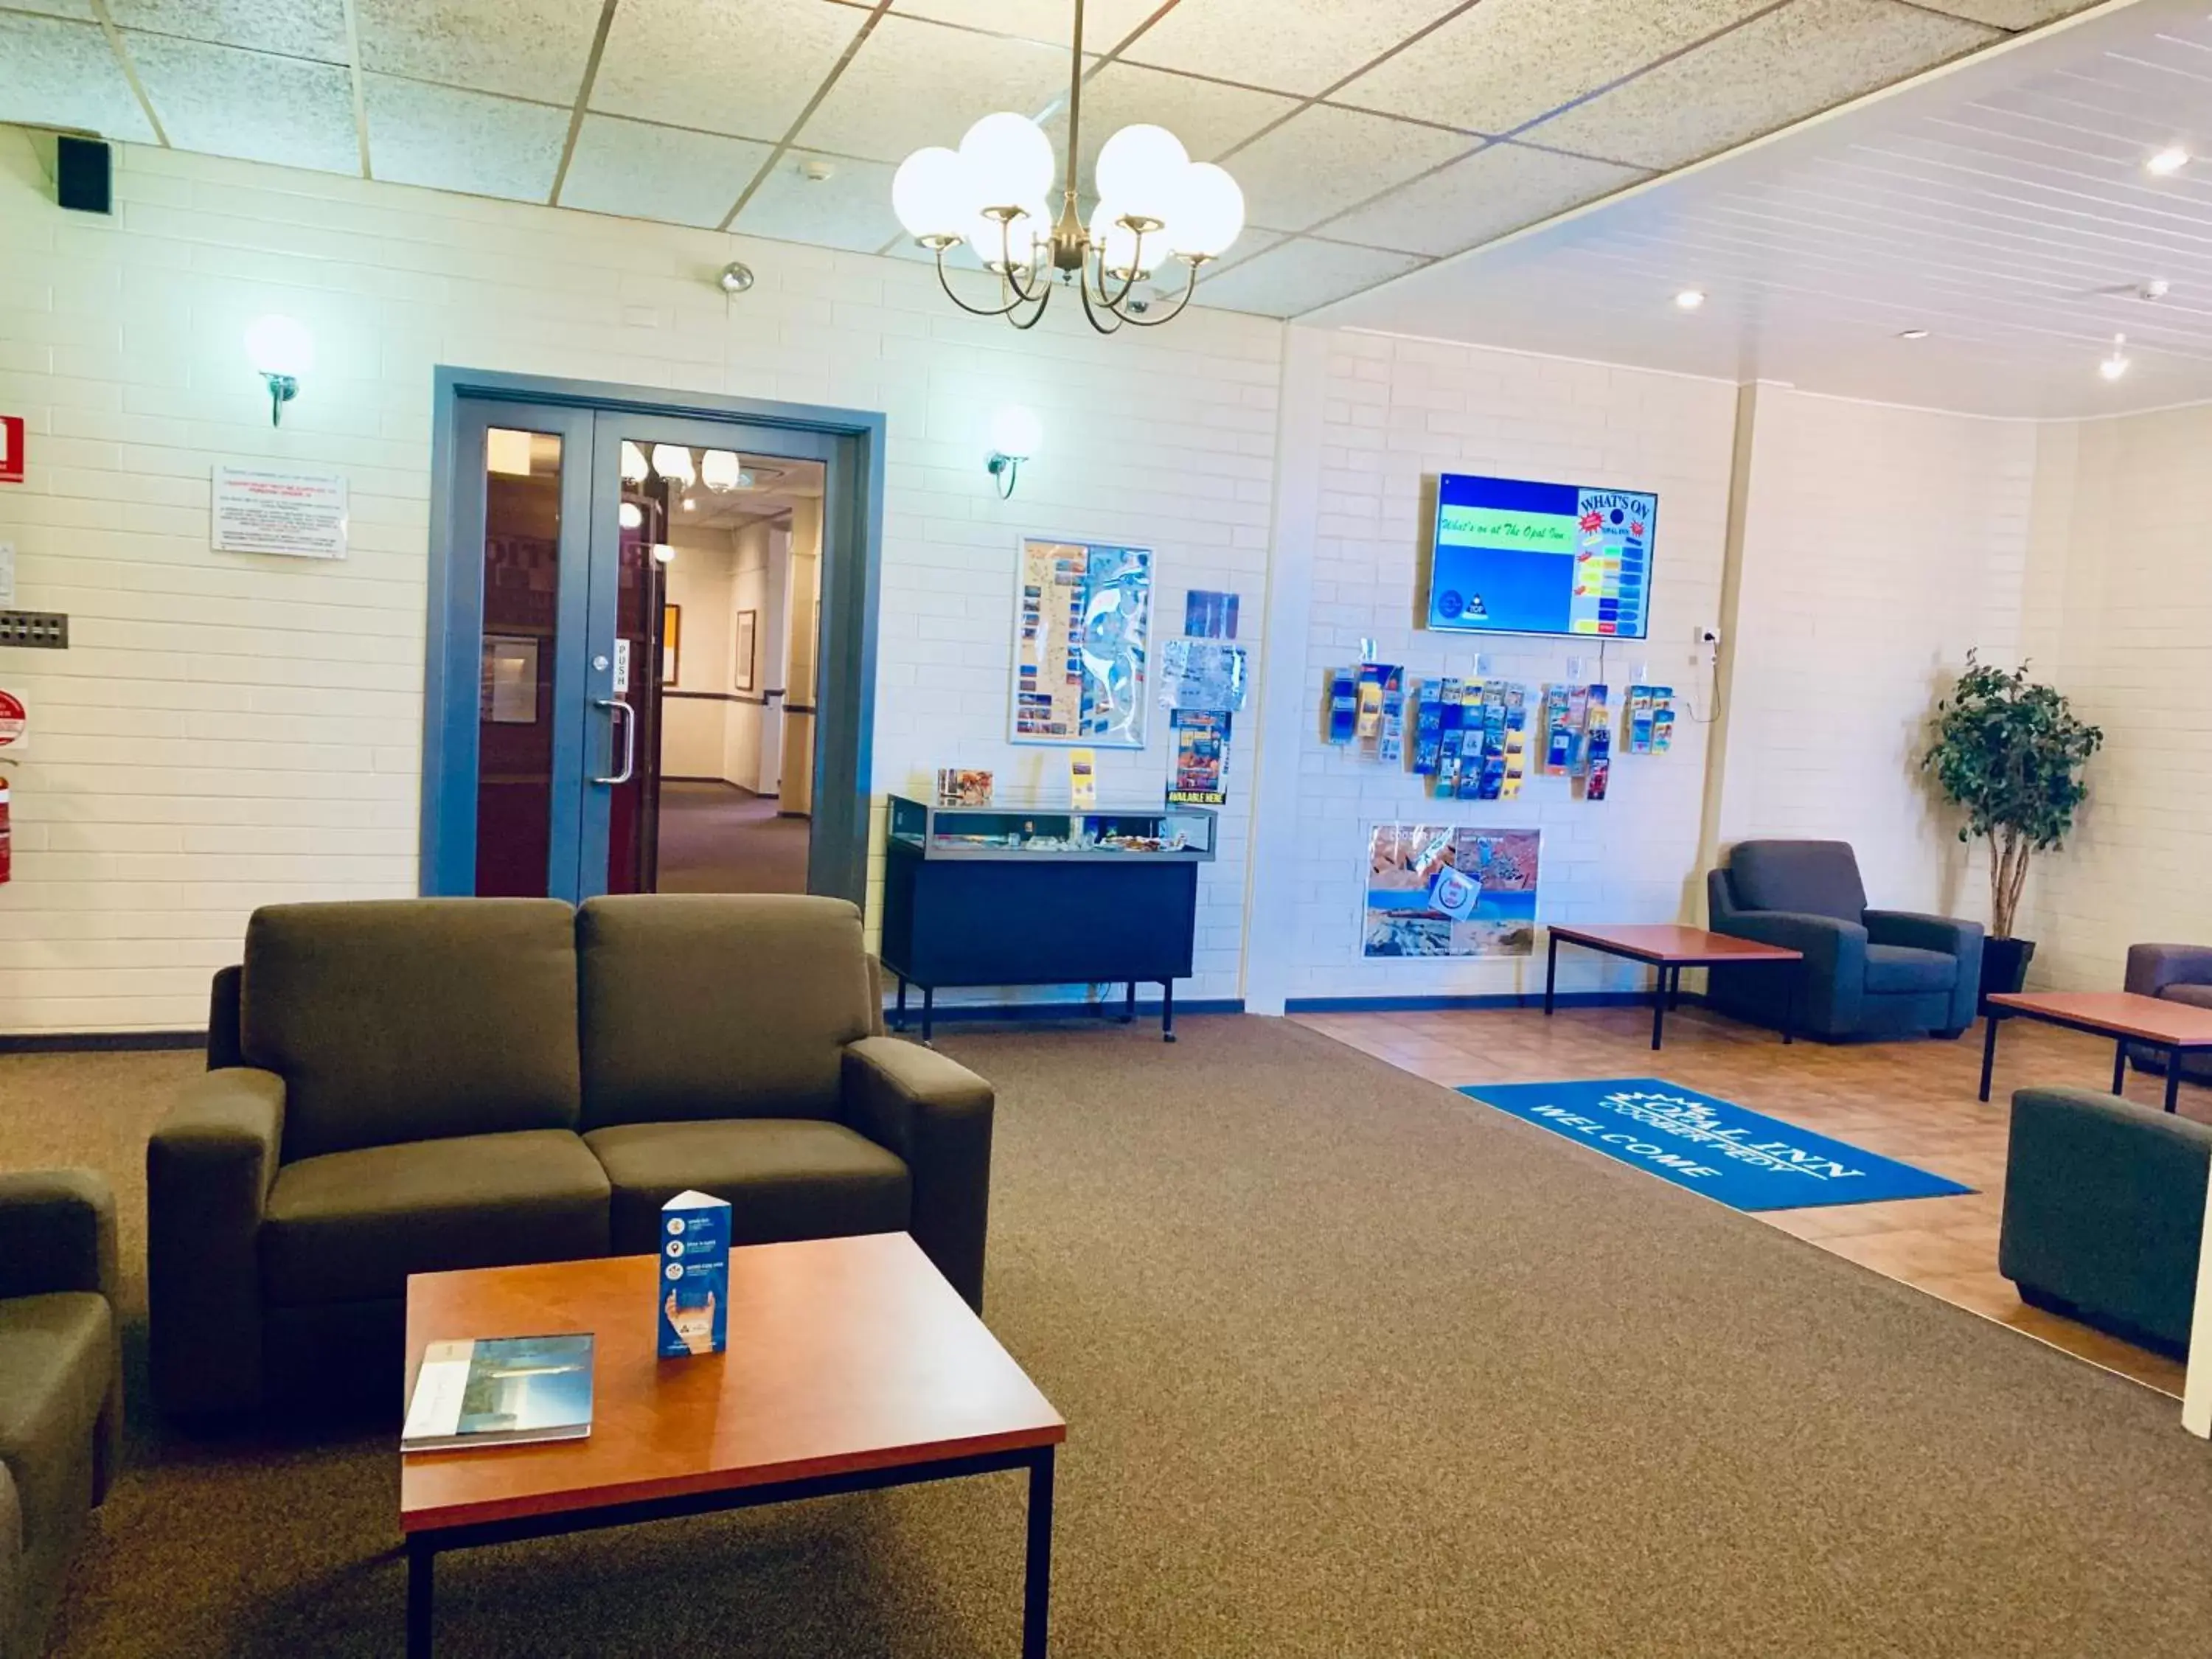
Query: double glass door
[[559, 640]]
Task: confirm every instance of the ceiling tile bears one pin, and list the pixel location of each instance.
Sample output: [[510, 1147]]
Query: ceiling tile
[[738, 66], [465, 141], [1300, 275], [1210, 119], [1791, 64], [850, 208], [2011, 13], [1302, 48], [1106, 23], [1494, 191], [1323, 160], [298, 28], [1509, 61], [647, 172], [524, 48], [59, 74], [915, 83], [78, 11], [249, 104]]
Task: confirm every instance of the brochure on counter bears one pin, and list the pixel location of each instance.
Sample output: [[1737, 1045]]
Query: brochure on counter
[[500, 1391]]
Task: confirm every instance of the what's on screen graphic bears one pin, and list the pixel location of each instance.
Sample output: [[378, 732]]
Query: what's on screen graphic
[[1516, 557]]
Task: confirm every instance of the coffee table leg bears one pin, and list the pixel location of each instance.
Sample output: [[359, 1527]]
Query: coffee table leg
[[1659, 1006], [1989, 1050], [420, 1560], [1551, 974], [1036, 1580], [2120, 1067], [2172, 1079]]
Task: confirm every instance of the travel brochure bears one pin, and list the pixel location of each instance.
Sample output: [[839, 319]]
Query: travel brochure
[[500, 1391]]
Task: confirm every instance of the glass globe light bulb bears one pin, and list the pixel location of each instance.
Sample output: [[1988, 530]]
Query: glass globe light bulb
[[1016, 432], [673, 463], [1119, 248], [634, 469], [1007, 160], [280, 345], [930, 193], [1139, 168], [1207, 214]]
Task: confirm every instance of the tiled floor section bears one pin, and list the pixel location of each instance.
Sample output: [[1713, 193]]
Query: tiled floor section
[[1910, 1101]]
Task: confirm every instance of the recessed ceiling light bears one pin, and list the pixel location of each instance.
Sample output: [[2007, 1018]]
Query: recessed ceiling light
[[1690, 298], [1914, 334], [2115, 365], [2171, 159]]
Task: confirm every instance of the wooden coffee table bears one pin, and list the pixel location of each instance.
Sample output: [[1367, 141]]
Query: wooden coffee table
[[1670, 949], [2180, 1028], [852, 1365]]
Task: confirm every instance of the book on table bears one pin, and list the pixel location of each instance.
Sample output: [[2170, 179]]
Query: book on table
[[500, 1391]]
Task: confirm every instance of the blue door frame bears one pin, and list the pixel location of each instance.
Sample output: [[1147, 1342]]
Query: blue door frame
[[850, 442]]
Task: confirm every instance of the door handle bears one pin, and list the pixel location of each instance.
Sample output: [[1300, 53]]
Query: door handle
[[616, 708]]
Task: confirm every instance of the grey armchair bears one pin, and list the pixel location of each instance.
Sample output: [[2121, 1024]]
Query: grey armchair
[[1868, 972], [2177, 973], [2104, 1205], [61, 1386]]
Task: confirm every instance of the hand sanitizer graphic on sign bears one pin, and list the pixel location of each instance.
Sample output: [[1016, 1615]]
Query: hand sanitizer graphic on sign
[[693, 1289]]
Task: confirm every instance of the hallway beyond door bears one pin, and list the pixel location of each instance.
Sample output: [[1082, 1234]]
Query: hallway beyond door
[[718, 838]]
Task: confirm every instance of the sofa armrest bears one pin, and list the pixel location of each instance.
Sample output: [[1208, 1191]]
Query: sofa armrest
[[1923, 933], [935, 1114], [56, 1233], [2104, 1207], [208, 1170], [1835, 962], [2152, 968]]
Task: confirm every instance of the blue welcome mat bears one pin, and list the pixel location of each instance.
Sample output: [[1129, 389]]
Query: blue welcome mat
[[1744, 1159]]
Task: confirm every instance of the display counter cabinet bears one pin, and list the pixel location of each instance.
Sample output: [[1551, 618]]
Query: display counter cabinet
[[1011, 895]]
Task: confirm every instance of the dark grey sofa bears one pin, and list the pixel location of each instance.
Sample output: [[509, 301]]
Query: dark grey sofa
[[2104, 1208], [61, 1386], [411, 1086], [1868, 972], [2177, 973]]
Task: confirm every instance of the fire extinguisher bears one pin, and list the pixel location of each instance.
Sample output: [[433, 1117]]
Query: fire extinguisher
[[7, 836]]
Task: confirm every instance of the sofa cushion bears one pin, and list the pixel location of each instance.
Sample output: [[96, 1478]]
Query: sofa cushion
[[402, 1020], [1892, 968], [785, 1178], [56, 1360], [350, 1226], [2196, 996], [1813, 878], [717, 1005]]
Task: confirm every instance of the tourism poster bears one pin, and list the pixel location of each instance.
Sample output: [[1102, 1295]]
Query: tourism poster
[[1438, 890], [1201, 758], [1082, 625]]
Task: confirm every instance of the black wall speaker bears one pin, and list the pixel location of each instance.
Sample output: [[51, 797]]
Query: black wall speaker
[[83, 178]]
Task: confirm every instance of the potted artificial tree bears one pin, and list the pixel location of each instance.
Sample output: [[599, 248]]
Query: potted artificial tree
[[2010, 752]]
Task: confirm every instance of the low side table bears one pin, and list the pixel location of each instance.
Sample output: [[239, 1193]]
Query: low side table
[[852, 1365], [1671, 948], [2180, 1028]]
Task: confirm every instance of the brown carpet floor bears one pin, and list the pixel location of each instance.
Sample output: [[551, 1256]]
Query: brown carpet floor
[[718, 839], [1352, 1367]]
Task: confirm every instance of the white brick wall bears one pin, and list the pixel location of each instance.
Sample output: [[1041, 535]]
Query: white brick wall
[[2119, 617], [227, 731], [1396, 410], [1880, 545]]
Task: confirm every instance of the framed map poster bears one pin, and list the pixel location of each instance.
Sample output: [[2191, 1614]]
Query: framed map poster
[[1083, 617], [1446, 889]]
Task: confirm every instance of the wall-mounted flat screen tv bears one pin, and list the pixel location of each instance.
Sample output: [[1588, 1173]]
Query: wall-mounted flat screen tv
[[1515, 557]]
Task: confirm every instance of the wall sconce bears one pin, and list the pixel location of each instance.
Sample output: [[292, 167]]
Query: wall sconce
[[281, 351], [1015, 435]]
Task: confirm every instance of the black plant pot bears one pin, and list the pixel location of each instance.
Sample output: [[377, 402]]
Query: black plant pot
[[2004, 966]]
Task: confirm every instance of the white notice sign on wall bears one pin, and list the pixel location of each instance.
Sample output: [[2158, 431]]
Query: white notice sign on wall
[[261, 509]]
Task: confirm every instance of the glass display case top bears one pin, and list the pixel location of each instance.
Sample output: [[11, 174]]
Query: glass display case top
[[1012, 830]]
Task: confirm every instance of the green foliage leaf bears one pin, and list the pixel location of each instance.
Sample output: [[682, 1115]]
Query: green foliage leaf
[[2010, 752]]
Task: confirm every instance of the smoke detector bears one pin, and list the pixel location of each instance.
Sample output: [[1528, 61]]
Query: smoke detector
[[816, 171]]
